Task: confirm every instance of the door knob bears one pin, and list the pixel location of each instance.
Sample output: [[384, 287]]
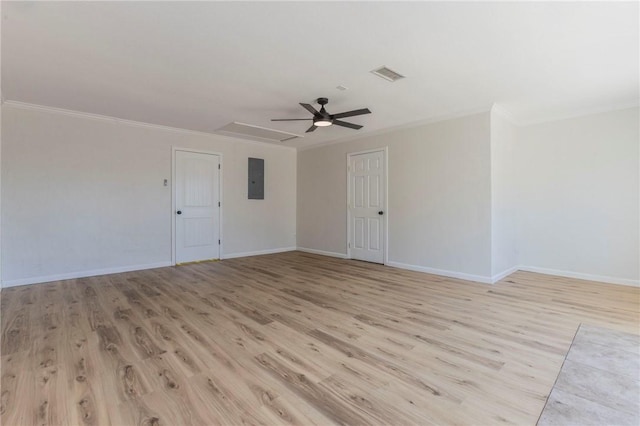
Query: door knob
[[179, 212], [380, 212]]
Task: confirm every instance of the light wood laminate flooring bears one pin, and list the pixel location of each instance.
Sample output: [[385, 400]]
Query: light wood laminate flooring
[[293, 338]]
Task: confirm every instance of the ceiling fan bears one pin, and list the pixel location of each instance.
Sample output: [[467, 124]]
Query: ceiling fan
[[323, 119]]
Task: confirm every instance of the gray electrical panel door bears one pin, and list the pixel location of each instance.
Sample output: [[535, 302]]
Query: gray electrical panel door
[[256, 179]]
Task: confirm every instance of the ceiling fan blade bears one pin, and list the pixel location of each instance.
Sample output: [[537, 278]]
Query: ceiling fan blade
[[291, 119], [309, 108], [345, 124], [352, 113], [312, 128]]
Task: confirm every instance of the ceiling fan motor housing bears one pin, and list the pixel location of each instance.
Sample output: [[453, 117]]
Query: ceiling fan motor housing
[[323, 113]]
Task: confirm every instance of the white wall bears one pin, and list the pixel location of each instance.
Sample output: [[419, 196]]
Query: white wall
[[469, 197], [81, 195], [439, 196], [504, 254], [578, 196], [478, 196]]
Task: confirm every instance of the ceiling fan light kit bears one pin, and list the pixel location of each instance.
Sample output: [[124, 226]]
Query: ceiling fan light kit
[[323, 119], [322, 123]]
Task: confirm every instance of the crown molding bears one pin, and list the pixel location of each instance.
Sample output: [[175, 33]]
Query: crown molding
[[500, 110], [99, 117], [575, 113]]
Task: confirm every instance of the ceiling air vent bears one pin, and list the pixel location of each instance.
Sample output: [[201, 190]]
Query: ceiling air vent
[[387, 74], [255, 133]]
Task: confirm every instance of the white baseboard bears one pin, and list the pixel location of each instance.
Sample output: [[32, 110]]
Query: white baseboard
[[442, 272], [445, 273], [258, 253], [497, 277], [83, 274], [323, 253], [580, 276]]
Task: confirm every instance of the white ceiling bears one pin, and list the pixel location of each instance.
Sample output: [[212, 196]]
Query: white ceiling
[[201, 65]]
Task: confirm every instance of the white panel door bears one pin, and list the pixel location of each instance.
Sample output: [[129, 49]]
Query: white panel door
[[197, 204], [366, 206]]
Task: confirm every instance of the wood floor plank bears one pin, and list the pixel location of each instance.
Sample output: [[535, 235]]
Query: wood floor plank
[[310, 392], [17, 380], [230, 405], [374, 408], [293, 338], [16, 330]]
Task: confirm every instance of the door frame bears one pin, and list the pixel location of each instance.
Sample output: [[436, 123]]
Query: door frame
[[174, 149], [385, 185]]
